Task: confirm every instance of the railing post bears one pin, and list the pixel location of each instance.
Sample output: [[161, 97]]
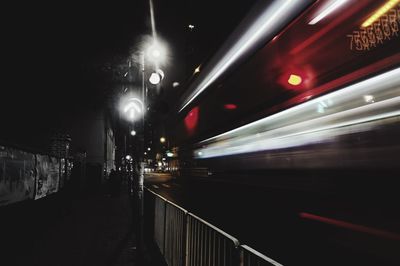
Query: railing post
[[241, 256], [165, 226], [236, 256], [185, 235]]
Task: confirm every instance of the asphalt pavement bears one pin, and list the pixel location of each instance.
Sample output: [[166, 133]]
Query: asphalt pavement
[[292, 227]]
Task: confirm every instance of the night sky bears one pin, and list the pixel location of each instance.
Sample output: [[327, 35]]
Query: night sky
[[58, 56]]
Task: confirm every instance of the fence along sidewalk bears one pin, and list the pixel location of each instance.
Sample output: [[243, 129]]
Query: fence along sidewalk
[[187, 240]]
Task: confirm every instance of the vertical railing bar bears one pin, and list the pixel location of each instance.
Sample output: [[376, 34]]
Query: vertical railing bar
[[209, 247], [213, 249], [224, 250], [177, 238], [219, 250], [196, 248], [173, 239], [188, 240], [165, 222], [166, 233], [201, 244], [206, 229], [194, 241]]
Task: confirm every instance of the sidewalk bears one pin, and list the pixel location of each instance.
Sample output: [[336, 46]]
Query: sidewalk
[[94, 230]]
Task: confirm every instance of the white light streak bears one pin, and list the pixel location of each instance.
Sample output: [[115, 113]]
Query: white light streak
[[330, 8], [265, 26], [344, 111]]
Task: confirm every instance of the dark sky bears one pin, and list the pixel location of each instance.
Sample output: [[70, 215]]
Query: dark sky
[[55, 54]]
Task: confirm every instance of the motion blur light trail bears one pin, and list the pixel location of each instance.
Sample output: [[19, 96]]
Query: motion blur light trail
[[329, 9], [351, 226], [380, 12], [254, 30], [316, 121]]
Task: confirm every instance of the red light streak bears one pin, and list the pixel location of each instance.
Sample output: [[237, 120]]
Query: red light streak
[[230, 106], [351, 226], [192, 119]]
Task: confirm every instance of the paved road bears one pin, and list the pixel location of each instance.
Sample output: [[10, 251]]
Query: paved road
[[292, 227]]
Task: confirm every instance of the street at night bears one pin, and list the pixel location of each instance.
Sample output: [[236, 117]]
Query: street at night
[[200, 133]]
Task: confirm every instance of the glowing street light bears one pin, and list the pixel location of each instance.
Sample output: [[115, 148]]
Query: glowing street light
[[133, 132], [132, 107], [156, 52], [162, 139], [156, 77]]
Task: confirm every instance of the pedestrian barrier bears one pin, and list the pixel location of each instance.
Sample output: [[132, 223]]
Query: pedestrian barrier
[[208, 245], [175, 234], [159, 222], [187, 240]]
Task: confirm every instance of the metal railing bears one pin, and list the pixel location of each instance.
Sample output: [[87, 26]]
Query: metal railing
[[249, 256], [175, 234], [159, 222], [187, 240], [208, 245]]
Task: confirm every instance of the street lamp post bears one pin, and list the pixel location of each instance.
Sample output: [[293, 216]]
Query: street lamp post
[[132, 107], [156, 54]]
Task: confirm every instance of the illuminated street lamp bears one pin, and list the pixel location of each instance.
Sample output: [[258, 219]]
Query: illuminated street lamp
[[133, 132], [156, 52], [162, 139], [156, 77], [153, 54], [132, 107]]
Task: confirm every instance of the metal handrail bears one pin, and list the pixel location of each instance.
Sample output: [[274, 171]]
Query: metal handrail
[[258, 255], [156, 194]]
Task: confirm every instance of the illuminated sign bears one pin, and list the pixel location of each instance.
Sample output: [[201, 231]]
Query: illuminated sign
[[382, 29]]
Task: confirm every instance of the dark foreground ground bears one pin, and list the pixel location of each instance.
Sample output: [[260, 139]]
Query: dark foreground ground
[[74, 230]]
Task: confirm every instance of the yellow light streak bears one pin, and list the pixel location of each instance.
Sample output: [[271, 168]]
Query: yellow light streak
[[380, 12]]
